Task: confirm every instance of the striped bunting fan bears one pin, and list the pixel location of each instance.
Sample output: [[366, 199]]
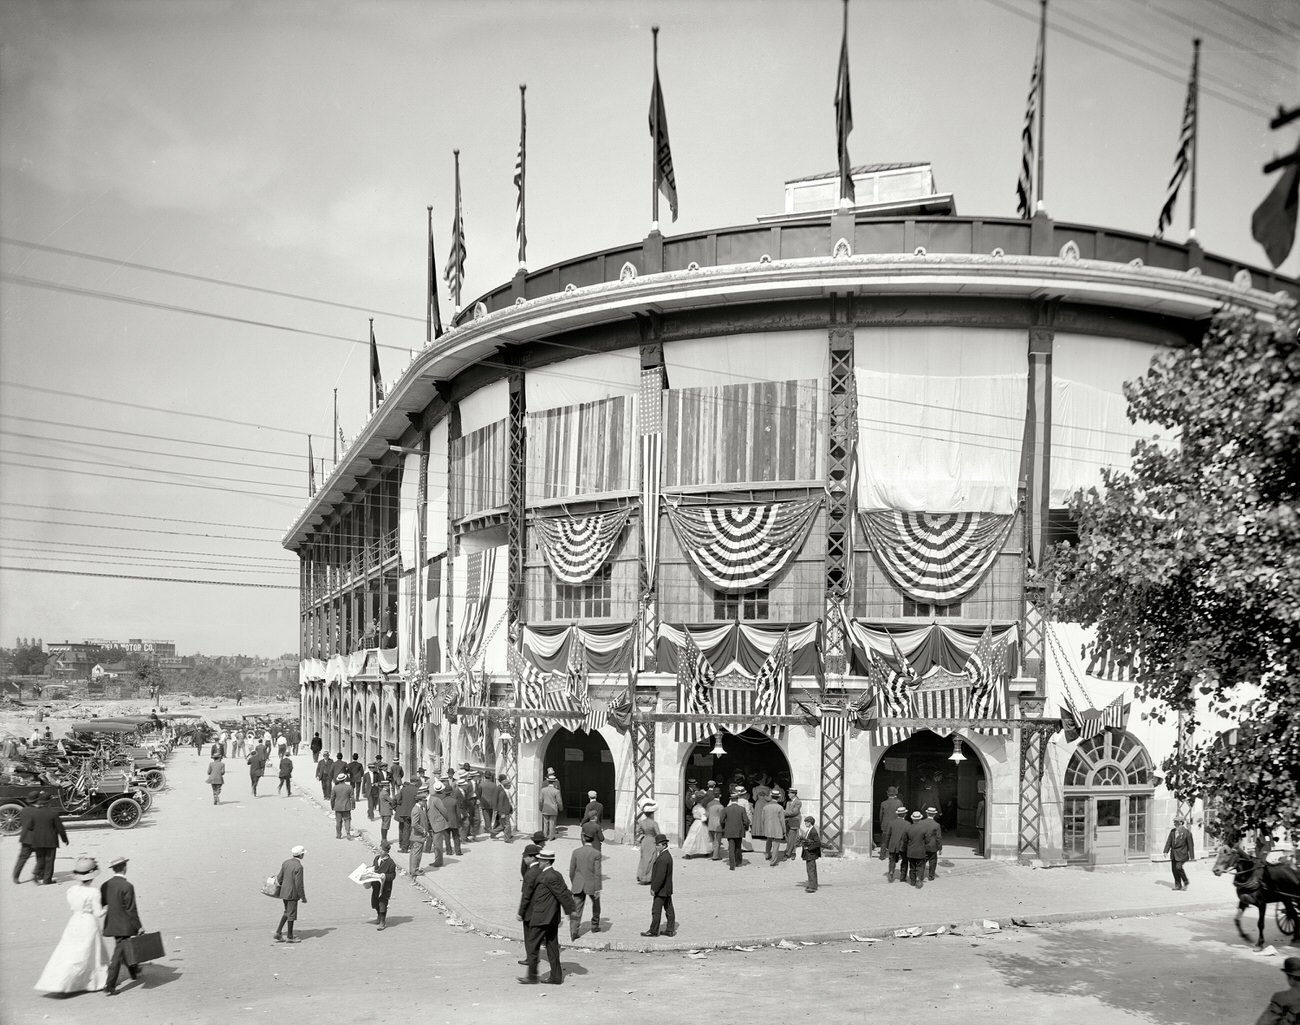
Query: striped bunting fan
[[935, 557], [740, 547], [1086, 724], [985, 670], [695, 679], [576, 547]]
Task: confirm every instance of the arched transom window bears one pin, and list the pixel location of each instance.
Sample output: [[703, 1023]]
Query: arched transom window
[[1110, 759]]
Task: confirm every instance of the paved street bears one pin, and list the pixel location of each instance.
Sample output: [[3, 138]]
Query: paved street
[[197, 869]]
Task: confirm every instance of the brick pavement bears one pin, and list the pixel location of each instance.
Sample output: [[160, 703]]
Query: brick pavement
[[758, 904]]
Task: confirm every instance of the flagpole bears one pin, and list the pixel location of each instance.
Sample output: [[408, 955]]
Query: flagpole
[[842, 130], [654, 135], [523, 135], [336, 427], [1196, 118], [428, 326], [1042, 107], [370, 370]]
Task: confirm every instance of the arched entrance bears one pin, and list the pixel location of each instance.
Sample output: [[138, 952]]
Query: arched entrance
[[582, 762], [751, 755], [1106, 810], [923, 769]]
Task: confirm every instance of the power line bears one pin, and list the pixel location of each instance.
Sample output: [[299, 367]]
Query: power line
[[164, 580], [1232, 9], [149, 480], [142, 434], [113, 261], [142, 469], [134, 300], [1221, 36], [135, 516], [157, 551], [145, 530], [145, 451], [140, 561]]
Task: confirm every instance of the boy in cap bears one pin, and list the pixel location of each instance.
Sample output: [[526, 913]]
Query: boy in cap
[[544, 895], [661, 887], [121, 921], [811, 842], [292, 888], [1180, 848], [1284, 1005]]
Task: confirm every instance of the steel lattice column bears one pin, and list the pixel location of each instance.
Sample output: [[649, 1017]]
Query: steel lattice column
[[1033, 764], [832, 790], [839, 505], [510, 762], [643, 761], [515, 459]]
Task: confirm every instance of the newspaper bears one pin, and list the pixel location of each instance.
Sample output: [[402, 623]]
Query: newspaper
[[362, 876]]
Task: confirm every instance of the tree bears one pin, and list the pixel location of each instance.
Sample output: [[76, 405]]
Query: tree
[[1189, 563], [29, 660]]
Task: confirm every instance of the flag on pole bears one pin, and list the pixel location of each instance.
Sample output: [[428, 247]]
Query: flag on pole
[[376, 380], [770, 685], [520, 235], [665, 180], [454, 270], [1025, 185], [844, 117], [1273, 225], [985, 670], [311, 469], [1186, 150], [695, 680], [434, 313]]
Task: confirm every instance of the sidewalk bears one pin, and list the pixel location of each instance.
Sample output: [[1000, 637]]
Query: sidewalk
[[758, 904]]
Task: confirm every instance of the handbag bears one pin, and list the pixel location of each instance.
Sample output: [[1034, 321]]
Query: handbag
[[147, 946], [271, 888]]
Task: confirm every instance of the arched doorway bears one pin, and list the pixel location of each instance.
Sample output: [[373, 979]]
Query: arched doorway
[[751, 755], [582, 761], [1107, 801], [924, 771]]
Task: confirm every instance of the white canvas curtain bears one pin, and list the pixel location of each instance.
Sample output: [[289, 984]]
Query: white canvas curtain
[[745, 358], [1090, 424], [941, 418], [602, 375]]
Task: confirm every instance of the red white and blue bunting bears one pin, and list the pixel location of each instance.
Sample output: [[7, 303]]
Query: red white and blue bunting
[[935, 557], [740, 547], [576, 547]]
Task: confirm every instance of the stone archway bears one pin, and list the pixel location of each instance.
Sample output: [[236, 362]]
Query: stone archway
[[582, 762], [923, 770], [752, 754]]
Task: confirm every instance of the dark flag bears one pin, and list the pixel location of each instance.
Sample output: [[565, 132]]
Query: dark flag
[[844, 115], [454, 271], [434, 328], [1274, 222], [521, 235], [1183, 160], [665, 180], [1025, 185], [376, 381], [311, 469]]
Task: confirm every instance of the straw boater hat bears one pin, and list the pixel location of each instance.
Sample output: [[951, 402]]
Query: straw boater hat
[[932, 810], [119, 860], [298, 851], [85, 866], [591, 794], [649, 806], [340, 777], [917, 816], [900, 810], [544, 855]]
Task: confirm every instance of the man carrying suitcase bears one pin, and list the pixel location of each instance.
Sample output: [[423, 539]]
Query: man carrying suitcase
[[121, 921]]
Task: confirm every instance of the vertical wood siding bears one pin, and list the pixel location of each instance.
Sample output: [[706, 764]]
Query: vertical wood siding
[[478, 470], [586, 448]]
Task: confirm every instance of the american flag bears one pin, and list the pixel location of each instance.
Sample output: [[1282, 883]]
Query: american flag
[[650, 414], [985, 670], [576, 669], [454, 271], [664, 177], [1091, 721], [530, 689], [844, 116], [1025, 184], [479, 570], [770, 686], [893, 696], [619, 712], [695, 679], [520, 234], [597, 715], [1186, 145]]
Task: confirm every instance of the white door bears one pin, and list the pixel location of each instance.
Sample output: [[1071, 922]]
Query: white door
[[1108, 831]]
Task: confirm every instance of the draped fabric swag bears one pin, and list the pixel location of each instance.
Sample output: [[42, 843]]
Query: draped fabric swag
[[925, 647], [577, 547], [935, 557], [740, 547], [743, 647]]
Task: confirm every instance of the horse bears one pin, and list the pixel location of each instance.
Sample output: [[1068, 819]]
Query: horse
[[1258, 885]]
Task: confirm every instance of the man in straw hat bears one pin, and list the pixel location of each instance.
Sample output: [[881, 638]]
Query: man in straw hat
[[894, 840], [342, 801], [121, 920], [735, 821], [293, 891], [1284, 1005], [544, 895], [549, 803]]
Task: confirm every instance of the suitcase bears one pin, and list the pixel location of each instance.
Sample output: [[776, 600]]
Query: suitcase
[[147, 946]]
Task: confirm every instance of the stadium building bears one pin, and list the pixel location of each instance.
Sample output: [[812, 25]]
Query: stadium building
[[764, 501]]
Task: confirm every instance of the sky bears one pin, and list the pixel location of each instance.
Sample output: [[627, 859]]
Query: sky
[[203, 203]]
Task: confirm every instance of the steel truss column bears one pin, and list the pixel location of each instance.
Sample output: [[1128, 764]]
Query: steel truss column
[[832, 793], [515, 522], [843, 432], [643, 761], [1033, 765]]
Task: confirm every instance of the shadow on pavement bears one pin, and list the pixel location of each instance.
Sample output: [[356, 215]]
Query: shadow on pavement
[[311, 934], [1130, 973], [153, 976]]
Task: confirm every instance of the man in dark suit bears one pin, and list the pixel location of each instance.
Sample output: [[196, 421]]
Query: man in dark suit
[[487, 803], [404, 805], [25, 849], [584, 877], [505, 809], [544, 895], [593, 805], [916, 847], [469, 788], [45, 830], [1284, 1005], [888, 807], [661, 886], [452, 800], [256, 766], [1180, 848], [356, 773], [735, 820], [121, 921], [933, 841], [324, 773], [293, 891], [894, 841], [793, 819]]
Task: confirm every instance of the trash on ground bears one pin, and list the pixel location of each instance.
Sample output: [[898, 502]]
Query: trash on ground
[[851, 950], [787, 945], [453, 920], [699, 955], [808, 943], [1269, 951], [991, 925], [861, 939], [746, 949]]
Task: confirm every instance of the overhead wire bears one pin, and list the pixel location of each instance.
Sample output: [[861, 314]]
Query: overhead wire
[[163, 580], [140, 469], [147, 435], [124, 560], [138, 516], [46, 439], [269, 559]]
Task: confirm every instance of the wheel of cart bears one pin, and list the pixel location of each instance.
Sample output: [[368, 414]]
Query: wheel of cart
[[1287, 919], [155, 779], [142, 796], [10, 818], [124, 813]]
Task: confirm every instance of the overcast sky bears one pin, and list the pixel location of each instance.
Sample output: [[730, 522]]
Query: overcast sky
[[294, 147]]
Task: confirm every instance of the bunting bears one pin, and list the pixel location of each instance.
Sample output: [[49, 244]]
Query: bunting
[[577, 547], [597, 715], [695, 678], [740, 547], [986, 670], [650, 414], [1086, 724], [835, 720], [619, 712], [935, 557]]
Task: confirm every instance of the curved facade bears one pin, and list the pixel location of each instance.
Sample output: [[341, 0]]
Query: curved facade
[[747, 475]]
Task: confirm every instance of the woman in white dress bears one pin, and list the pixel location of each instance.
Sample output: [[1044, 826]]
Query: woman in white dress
[[80, 961], [697, 843]]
